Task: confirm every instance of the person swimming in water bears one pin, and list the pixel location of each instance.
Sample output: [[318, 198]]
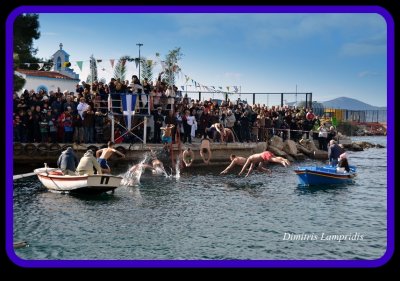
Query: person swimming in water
[[261, 158], [136, 167], [157, 167]]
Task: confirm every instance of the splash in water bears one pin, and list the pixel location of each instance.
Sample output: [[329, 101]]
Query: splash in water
[[132, 177], [160, 171], [177, 169]]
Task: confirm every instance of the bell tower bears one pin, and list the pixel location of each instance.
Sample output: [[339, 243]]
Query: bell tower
[[61, 63]]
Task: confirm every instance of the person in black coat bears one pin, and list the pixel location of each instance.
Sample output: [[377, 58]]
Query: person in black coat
[[158, 122], [334, 152]]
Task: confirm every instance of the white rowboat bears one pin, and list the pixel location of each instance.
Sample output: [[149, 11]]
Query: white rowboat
[[53, 179]]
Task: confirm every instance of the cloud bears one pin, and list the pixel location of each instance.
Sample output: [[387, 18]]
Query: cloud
[[362, 49], [367, 73]]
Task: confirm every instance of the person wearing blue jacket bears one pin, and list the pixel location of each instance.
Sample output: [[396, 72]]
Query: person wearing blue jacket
[[67, 162]]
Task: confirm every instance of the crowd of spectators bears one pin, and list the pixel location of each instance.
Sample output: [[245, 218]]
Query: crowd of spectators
[[82, 116]]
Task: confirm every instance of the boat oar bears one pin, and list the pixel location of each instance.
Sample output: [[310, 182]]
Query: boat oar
[[15, 177], [21, 244]]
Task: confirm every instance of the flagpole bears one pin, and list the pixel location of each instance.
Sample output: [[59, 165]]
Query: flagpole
[[112, 116], [139, 44], [145, 130]]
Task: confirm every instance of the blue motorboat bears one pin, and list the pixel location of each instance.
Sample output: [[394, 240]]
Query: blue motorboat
[[326, 175]]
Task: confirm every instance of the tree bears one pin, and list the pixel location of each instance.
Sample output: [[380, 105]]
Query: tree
[[48, 64], [19, 82], [171, 65], [147, 69], [26, 29], [120, 68]]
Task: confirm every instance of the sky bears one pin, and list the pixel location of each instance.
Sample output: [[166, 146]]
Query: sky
[[331, 55]]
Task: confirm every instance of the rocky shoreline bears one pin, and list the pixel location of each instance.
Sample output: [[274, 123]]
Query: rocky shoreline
[[307, 149]]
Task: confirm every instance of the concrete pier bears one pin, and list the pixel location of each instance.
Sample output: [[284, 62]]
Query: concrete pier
[[133, 152]]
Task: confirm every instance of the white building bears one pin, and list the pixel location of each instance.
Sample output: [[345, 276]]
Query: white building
[[60, 77]]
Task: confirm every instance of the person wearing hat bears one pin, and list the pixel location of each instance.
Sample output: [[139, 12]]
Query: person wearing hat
[[87, 163], [67, 162]]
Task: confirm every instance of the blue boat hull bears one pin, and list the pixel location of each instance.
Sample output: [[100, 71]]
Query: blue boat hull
[[324, 176]]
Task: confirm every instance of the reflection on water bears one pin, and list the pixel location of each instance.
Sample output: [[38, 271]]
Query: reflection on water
[[199, 214]]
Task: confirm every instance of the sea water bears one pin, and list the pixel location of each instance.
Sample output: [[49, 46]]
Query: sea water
[[203, 215]]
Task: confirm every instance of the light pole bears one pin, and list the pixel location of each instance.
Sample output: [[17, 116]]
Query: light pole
[[139, 44]]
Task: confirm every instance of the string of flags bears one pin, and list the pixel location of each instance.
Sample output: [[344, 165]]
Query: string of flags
[[81, 63], [173, 68], [214, 89]]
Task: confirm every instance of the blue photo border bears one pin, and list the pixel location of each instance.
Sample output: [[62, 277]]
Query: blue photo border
[[200, 263]]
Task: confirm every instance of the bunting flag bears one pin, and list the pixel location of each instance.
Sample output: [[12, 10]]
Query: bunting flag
[[183, 88], [236, 89], [79, 63], [40, 65], [112, 62], [227, 87], [157, 54], [136, 62], [123, 62], [187, 78], [128, 107], [150, 62]]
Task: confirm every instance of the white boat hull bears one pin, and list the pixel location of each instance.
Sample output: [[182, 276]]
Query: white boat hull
[[79, 184]]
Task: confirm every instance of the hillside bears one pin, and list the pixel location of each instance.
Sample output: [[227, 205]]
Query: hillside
[[350, 104]]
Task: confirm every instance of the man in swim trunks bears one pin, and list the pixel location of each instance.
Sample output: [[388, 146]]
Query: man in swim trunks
[[102, 156], [261, 158], [167, 134], [235, 160], [188, 157]]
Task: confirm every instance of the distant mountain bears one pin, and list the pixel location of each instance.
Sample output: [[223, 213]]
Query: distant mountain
[[350, 104]]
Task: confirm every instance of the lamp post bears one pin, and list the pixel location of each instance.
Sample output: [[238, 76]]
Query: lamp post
[[139, 44]]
